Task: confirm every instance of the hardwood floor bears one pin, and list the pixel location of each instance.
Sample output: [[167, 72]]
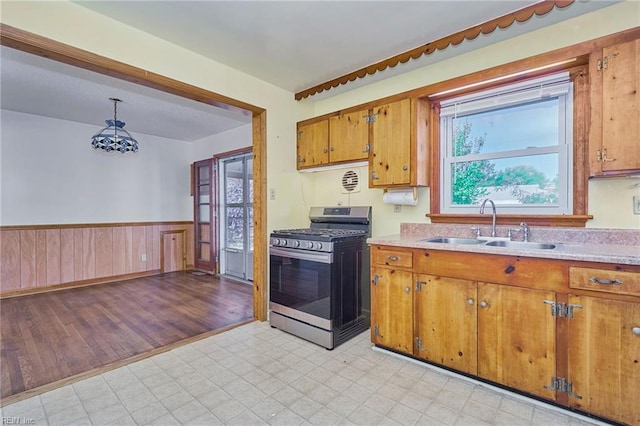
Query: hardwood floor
[[49, 339]]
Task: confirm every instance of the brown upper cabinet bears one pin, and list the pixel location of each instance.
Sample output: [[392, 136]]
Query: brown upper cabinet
[[349, 137], [391, 136], [615, 110], [339, 139], [312, 144]]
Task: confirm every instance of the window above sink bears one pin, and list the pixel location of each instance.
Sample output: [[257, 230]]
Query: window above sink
[[512, 144]]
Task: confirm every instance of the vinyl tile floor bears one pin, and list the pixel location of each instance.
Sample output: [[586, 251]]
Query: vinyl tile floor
[[257, 375]]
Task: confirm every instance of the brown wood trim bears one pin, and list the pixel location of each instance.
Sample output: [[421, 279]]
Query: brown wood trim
[[577, 54], [502, 22], [260, 245], [74, 284], [41, 46], [506, 219], [233, 152], [581, 114], [92, 225]]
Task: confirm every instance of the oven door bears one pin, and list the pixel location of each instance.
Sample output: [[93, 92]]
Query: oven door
[[300, 285]]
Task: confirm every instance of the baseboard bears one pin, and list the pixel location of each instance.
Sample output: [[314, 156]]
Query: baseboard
[[75, 284]]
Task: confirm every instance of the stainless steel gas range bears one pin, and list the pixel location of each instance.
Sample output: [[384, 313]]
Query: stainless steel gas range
[[319, 276]]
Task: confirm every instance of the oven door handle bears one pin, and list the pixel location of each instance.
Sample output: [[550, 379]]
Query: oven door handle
[[311, 256]]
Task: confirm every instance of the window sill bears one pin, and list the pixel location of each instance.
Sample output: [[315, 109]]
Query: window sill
[[576, 221]]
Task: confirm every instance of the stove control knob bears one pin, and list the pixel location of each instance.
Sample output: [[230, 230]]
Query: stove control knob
[[275, 241], [296, 243], [310, 244], [319, 246], [283, 242]]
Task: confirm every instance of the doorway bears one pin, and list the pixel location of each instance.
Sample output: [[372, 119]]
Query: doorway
[[236, 215], [29, 42]]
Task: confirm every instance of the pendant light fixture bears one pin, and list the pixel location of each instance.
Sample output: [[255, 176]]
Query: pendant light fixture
[[114, 137]]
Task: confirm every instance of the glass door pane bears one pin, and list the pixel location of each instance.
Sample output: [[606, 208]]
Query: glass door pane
[[238, 216], [203, 197]]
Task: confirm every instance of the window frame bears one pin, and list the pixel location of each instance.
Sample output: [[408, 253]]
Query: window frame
[[578, 69], [554, 86]]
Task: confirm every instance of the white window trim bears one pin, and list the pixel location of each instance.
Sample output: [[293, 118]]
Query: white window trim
[[556, 85]]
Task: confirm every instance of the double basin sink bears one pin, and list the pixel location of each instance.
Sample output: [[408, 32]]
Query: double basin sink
[[526, 245]]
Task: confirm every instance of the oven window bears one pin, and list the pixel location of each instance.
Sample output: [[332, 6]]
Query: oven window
[[303, 285]]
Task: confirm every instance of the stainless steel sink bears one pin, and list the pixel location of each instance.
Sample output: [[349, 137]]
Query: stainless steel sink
[[521, 245], [453, 240], [492, 243]]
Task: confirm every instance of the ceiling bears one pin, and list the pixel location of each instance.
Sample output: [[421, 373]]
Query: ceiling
[[294, 45]]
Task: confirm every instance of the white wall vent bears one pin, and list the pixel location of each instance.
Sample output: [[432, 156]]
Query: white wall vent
[[350, 182]]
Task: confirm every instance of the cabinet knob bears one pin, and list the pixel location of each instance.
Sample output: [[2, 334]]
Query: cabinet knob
[[324, 150], [407, 289], [484, 304], [393, 258], [470, 301], [405, 168], [332, 149], [636, 331]]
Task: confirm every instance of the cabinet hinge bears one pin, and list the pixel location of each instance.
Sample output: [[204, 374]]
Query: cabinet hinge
[[563, 385], [562, 310], [419, 344], [374, 176], [419, 285], [376, 331], [604, 62], [376, 277], [370, 118], [601, 156]]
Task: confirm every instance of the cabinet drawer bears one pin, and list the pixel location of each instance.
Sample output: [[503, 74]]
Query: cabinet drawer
[[393, 258], [605, 280]]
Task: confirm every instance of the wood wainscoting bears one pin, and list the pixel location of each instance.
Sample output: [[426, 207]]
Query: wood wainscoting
[[37, 258]]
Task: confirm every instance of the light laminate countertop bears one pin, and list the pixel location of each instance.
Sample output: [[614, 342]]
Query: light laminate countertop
[[586, 245]]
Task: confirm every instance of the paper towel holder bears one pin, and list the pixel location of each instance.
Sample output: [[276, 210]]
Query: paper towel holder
[[400, 196], [415, 191]]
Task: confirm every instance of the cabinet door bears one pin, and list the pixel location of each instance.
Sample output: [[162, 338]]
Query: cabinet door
[[312, 144], [349, 137], [615, 109], [390, 161], [516, 337], [446, 322], [392, 309], [604, 358]]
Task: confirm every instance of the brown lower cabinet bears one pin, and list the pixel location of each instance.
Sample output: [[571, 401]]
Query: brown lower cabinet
[[538, 326]]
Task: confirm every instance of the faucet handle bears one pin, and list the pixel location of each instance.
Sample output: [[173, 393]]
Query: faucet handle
[[511, 231], [525, 231], [476, 229]]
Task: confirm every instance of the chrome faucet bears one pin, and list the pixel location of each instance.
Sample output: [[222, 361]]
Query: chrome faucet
[[525, 231], [493, 207]]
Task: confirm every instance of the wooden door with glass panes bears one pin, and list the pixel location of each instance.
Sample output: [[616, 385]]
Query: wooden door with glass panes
[[203, 210]]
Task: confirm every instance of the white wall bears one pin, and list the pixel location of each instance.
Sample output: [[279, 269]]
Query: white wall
[[240, 137], [50, 174], [74, 25], [610, 201]]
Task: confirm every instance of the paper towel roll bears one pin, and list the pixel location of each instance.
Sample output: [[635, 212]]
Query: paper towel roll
[[400, 196]]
